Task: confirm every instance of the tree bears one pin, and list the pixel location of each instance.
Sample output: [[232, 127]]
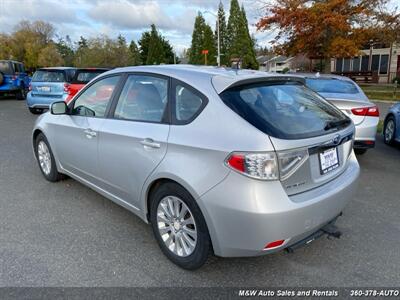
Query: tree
[[5, 46], [28, 39], [240, 43], [154, 48], [50, 57], [328, 28], [202, 39], [66, 51], [223, 35], [134, 54]]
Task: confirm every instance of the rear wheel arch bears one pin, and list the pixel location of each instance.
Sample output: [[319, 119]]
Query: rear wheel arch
[[152, 188]]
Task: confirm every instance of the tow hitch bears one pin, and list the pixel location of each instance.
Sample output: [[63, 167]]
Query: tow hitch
[[329, 229]]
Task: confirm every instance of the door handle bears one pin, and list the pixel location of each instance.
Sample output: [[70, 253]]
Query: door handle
[[150, 143], [90, 133]]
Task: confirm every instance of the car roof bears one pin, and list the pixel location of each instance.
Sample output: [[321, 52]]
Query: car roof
[[321, 76], [221, 77], [57, 68]]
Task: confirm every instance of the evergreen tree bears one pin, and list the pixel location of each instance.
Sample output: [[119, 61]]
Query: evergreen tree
[[66, 51], [202, 39], [156, 53], [134, 54], [154, 48], [223, 38], [240, 43]]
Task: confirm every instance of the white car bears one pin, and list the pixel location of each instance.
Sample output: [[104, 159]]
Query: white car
[[350, 99]]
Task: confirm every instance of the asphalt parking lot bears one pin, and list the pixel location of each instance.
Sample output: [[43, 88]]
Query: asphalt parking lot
[[65, 234]]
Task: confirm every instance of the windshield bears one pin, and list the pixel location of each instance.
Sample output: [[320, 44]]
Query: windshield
[[285, 110], [49, 76], [331, 85], [5, 68], [83, 77]]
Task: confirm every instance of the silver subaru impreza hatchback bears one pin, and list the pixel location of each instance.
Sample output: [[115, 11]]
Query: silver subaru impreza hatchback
[[218, 161]]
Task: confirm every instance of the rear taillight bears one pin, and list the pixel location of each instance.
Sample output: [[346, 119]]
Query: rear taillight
[[267, 165], [256, 165], [14, 77], [66, 88], [30, 87], [371, 111]]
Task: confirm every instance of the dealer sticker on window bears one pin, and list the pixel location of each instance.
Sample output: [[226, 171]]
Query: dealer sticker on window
[[328, 160]]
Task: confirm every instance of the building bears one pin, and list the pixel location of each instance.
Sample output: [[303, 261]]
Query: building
[[275, 63], [382, 60]]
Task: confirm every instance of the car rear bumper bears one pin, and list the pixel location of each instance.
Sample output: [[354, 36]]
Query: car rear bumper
[[6, 87], [243, 215], [365, 133], [43, 102]]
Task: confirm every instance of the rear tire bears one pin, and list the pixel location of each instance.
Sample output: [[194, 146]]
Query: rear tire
[[21, 94], [389, 130], [35, 111], [360, 151], [176, 241], [45, 158]]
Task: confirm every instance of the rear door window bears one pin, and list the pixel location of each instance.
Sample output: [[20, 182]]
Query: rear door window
[[284, 110], [49, 76]]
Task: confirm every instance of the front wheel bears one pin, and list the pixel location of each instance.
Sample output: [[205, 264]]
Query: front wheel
[[389, 130], [45, 158], [179, 226]]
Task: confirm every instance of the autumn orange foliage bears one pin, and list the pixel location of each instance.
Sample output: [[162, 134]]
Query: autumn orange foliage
[[328, 28]]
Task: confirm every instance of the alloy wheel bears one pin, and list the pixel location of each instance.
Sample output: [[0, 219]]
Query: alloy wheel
[[44, 157], [389, 130], [176, 226]]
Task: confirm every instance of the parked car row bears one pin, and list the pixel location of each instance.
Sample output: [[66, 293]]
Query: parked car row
[[59, 83]]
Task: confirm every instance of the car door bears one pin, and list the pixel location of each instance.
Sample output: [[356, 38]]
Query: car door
[[76, 134], [133, 141]]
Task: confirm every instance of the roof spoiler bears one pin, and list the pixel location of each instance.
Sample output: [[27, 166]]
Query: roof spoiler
[[269, 79]]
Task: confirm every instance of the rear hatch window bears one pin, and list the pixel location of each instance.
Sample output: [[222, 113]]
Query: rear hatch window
[[49, 76], [84, 76], [331, 85], [5, 68], [285, 110]]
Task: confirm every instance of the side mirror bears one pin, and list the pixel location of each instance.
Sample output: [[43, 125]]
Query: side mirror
[[59, 108]]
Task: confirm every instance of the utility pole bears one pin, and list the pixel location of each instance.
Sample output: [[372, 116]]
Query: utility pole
[[218, 38]]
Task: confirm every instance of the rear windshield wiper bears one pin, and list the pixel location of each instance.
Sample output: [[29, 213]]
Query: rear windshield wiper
[[334, 124]]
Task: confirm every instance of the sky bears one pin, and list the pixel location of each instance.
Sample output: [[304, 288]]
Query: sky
[[89, 18]]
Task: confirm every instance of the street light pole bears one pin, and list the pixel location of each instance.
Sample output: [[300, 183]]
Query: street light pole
[[218, 38]]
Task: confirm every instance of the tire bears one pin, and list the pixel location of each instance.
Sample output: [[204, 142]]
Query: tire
[[21, 94], [389, 130], [35, 111], [360, 151], [198, 255], [42, 149]]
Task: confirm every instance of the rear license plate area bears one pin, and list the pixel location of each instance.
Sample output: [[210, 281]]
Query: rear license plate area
[[328, 160]]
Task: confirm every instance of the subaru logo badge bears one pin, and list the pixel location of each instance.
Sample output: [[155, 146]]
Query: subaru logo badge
[[336, 139]]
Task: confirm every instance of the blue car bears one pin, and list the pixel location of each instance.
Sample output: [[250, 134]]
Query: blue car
[[47, 86], [391, 127], [13, 79]]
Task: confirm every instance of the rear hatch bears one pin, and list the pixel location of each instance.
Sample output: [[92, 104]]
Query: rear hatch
[[50, 83], [312, 138]]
